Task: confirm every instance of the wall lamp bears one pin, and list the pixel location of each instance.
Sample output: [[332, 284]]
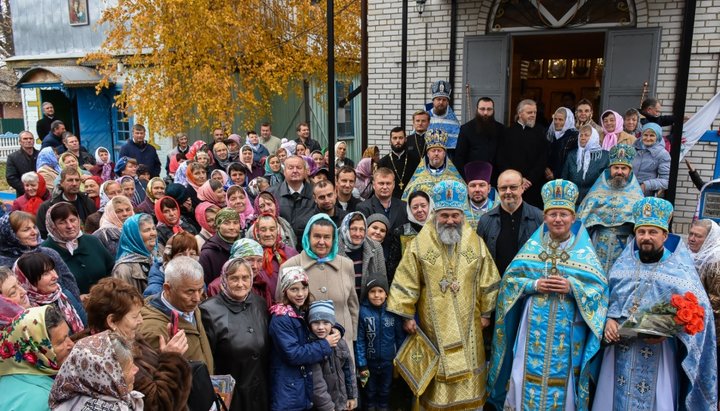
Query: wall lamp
[[420, 6]]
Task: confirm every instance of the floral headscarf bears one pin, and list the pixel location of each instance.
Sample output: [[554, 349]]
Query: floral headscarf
[[306, 239], [181, 174], [611, 136], [69, 243], [223, 215], [148, 189], [194, 148], [47, 157], [200, 216], [109, 217], [363, 171], [206, 193], [93, 370], [345, 230], [107, 168], [38, 299], [33, 203], [246, 247], [26, 348], [223, 277], [277, 251], [288, 277], [249, 212], [161, 217], [131, 241]]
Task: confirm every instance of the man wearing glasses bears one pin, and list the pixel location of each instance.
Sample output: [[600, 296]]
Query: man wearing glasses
[[506, 228]]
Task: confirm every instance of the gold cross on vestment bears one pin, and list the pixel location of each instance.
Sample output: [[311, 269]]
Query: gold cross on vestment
[[417, 356], [554, 256]]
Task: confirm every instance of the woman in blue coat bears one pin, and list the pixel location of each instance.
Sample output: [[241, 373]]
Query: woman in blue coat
[[652, 162], [293, 353]]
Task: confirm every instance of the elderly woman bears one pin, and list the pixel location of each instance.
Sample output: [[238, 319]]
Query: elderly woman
[[613, 132], [652, 162], [12, 290], [163, 376], [92, 189], [170, 220], [35, 345], [98, 374], [585, 163], [419, 208], [196, 176], [236, 324], [205, 216], [134, 255], [252, 252], [36, 274], [20, 235], [86, 257], [332, 276], [35, 193], [154, 190], [216, 251], [238, 199], [265, 203], [378, 227], [255, 169], [179, 245], [562, 136], [116, 212], [365, 253], [266, 231], [363, 180], [341, 155]]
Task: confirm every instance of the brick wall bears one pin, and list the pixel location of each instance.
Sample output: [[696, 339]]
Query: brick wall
[[428, 60]]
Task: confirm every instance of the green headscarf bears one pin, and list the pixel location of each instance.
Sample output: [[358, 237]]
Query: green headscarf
[[223, 215], [306, 239]]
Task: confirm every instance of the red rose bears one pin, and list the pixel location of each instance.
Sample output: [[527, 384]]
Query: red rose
[[691, 297], [7, 350], [685, 315], [30, 357], [694, 327], [678, 301]]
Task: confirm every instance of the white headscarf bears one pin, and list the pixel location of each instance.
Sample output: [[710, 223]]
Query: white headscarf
[[569, 123], [710, 250], [584, 155]]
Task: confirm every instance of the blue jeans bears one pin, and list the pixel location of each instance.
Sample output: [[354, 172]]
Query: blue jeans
[[379, 383]]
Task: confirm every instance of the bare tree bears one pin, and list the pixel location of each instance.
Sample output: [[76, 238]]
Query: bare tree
[[7, 48]]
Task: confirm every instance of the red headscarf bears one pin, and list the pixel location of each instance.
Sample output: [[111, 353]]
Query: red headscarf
[[99, 182], [161, 217], [34, 202]]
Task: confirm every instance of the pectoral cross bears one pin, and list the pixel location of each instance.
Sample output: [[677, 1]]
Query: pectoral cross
[[449, 282], [401, 185], [553, 257]]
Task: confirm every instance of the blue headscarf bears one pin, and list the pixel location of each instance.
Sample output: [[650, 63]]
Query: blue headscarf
[[656, 129], [306, 239], [131, 241], [47, 157]]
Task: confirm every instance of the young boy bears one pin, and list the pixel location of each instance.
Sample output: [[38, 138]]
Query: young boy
[[334, 385], [380, 335]]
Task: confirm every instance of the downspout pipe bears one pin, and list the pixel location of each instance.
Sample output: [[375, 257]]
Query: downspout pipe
[[403, 63], [453, 47]]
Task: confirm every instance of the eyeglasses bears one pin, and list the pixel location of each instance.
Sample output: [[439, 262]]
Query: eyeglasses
[[512, 188], [559, 214]]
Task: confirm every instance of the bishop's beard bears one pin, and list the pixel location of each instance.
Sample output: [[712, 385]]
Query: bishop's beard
[[449, 235]]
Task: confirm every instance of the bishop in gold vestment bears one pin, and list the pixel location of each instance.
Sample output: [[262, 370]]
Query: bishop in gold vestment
[[447, 277]]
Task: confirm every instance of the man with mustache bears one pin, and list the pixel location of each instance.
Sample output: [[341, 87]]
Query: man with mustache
[[448, 281], [403, 159], [442, 116], [479, 137], [606, 211], [645, 366], [434, 167]]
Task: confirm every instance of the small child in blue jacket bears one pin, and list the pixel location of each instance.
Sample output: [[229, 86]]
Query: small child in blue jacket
[[380, 335]]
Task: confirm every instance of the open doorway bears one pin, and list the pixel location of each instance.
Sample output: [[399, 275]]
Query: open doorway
[[64, 108], [556, 70]]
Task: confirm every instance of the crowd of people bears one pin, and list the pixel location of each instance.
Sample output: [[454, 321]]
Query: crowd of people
[[489, 266]]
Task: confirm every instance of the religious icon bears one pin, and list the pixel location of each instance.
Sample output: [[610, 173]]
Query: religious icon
[[78, 12], [557, 68]]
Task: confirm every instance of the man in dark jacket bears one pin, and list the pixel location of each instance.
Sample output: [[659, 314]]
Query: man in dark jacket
[[403, 159], [21, 162], [141, 151], [69, 193], [345, 183], [383, 201], [506, 228], [325, 197], [303, 133], [650, 112], [54, 137], [295, 196], [479, 137], [43, 126]]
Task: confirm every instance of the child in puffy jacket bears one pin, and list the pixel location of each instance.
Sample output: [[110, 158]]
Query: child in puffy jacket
[[334, 384], [380, 335]]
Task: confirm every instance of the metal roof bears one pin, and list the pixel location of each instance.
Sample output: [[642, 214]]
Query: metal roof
[[69, 76]]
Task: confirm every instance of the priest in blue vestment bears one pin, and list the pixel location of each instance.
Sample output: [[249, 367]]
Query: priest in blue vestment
[[655, 373], [550, 314]]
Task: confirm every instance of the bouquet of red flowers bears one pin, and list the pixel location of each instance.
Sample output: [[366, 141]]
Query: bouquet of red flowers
[[682, 313]]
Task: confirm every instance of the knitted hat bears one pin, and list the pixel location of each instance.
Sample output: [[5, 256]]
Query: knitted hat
[[378, 217], [322, 310], [377, 281], [177, 191]]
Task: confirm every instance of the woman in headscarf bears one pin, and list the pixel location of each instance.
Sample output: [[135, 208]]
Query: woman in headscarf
[[35, 193], [216, 251], [236, 324], [586, 162], [35, 345], [238, 199], [365, 253], [70, 160], [273, 170], [154, 190], [196, 177], [48, 167], [363, 180], [341, 155], [138, 240], [419, 207], [111, 222], [254, 167], [86, 257], [562, 136], [221, 177], [613, 133], [127, 184], [92, 189], [104, 167], [108, 190], [212, 192], [378, 229], [651, 164], [180, 176], [221, 154], [631, 123], [205, 216], [98, 374], [170, 220], [332, 276], [266, 231], [36, 274], [20, 235], [265, 203]]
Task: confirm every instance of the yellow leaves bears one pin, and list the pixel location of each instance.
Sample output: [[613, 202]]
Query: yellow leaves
[[199, 62]]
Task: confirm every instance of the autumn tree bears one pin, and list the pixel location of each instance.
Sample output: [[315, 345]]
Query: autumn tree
[[199, 62]]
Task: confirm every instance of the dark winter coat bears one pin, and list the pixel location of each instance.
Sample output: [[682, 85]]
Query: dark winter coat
[[298, 213], [475, 145], [334, 380], [89, 263], [489, 226], [598, 163], [291, 361], [380, 335], [560, 149], [238, 337], [19, 163], [525, 149], [215, 252], [144, 155]]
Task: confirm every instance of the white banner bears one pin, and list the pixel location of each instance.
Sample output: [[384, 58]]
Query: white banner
[[698, 124]]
